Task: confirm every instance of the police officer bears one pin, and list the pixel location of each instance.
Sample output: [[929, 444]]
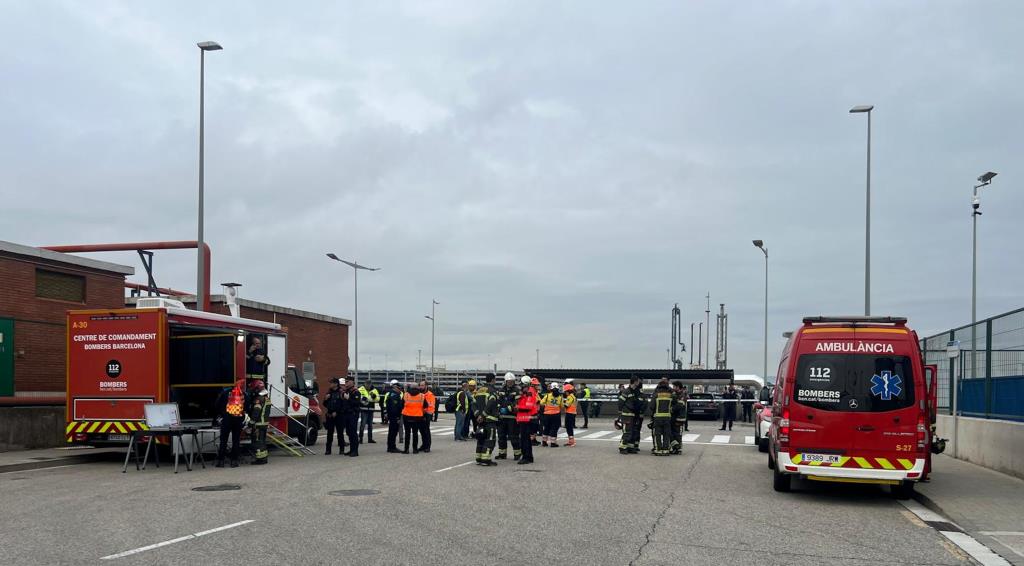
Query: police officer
[[631, 414], [678, 416], [369, 397], [508, 429], [393, 413], [334, 422], [351, 405], [729, 400], [747, 398], [384, 418], [661, 418]]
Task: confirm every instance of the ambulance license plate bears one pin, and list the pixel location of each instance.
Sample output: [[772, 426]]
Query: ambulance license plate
[[118, 437], [822, 458]]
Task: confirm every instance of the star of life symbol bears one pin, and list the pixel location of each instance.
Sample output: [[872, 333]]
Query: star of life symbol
[[886, 385]]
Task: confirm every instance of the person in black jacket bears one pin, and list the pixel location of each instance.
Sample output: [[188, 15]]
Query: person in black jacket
[[334, 422], [231, 406], [747, 395], [729, 400], [393, 411], [351, 406]]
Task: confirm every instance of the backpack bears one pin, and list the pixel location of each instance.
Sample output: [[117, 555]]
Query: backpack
[[451, 402]]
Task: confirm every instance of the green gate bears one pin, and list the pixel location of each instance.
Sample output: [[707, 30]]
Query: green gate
[[6, 357]]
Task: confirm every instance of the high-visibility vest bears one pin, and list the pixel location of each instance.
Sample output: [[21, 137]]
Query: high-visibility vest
[[569, 402], [662, 405], [586, 393], [413, 405], [370, 395], [552, 404], [431, 402], [526, 405], [236, 402]]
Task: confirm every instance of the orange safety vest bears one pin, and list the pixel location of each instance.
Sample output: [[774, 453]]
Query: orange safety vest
[[551, 404], [431, 401], [413, 405], [236, 402], [570, 404]]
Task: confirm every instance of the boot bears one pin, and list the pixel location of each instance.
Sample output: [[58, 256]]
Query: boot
[[545, 443], [328, 451], [525, 461], [371, 441], [554, 444], [572, 441], [501, 457], [234, 463], [220, 463]]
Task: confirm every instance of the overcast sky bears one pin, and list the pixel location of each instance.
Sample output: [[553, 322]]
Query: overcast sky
[[556, 174]]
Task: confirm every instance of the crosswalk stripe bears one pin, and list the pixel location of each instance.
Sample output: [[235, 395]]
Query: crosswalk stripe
[[598, 434], [647, 439], [748, 439], [690, 437], [721, 439]]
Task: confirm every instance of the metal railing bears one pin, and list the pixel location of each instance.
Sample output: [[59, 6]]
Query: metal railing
[[990, 371]]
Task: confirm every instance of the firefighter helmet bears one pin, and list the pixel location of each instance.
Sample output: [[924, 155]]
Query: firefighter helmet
[[618, 424]]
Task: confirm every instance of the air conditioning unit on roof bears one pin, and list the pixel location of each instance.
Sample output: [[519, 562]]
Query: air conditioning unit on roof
[[158, 303]]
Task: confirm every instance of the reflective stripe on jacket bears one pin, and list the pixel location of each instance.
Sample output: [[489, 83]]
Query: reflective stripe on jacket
[[569, 402]]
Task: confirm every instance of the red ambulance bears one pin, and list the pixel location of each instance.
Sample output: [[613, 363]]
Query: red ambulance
[[853, 403]]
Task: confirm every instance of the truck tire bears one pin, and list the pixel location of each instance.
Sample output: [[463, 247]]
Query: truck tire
[[771, 462], [781, 482], [312, 432], [762, 444], [904, 490]]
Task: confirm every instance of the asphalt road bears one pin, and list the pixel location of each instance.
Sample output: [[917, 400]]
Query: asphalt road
[[580, 505]]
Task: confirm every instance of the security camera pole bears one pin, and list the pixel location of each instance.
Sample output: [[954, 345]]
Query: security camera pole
[[983, 181]]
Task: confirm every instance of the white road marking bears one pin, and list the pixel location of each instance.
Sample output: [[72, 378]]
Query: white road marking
[[923, 512], [455, 466], [598, 434], [176, 540], [690, 437], [966, 542], [721, 439], [647, 439], [748, 439], [978, 551]]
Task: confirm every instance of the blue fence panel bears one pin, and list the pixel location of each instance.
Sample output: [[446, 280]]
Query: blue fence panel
[[1008, 398], [972, 397]]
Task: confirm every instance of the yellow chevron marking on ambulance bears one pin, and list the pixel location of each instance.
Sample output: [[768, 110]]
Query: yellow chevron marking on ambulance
[[131, 426], [105, 427], [842, 460], [885, 463], [121, 428], [71, 425], [797, 458], [907, 464], [82, 427], [94, 426], [862, 462]]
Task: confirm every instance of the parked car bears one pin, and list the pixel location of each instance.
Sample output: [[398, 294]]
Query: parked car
[[762, 421], [703, 405]]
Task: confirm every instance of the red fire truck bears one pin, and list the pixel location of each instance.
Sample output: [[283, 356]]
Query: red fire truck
[[119, 360]]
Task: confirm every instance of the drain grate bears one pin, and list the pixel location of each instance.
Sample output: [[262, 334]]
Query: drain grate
[[221, 487], [354, 492], [531, 471]]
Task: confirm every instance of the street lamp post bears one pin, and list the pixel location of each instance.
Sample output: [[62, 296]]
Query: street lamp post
[[355, 269], [983, 181], [866, 109], [432, 317], [204, 46], [760, 245]]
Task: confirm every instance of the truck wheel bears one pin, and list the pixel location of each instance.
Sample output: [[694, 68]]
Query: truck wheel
[[781, 482], [312, 431], [904, 490], [762, 444], [771, 462]]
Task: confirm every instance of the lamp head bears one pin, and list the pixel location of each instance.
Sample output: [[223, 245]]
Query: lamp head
[[759, 243], [862, 108], [987, 177], [209, 46]]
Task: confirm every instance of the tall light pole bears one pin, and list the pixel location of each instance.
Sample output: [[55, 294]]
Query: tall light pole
[[204, 46], [983, 181], [433, 318], [866, 109], [355, 270], [759, 244]]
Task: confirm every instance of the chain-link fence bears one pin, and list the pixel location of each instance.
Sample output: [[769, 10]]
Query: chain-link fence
[[990, 367]]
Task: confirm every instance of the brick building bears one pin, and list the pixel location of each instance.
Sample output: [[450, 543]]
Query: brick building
[[37, 288]]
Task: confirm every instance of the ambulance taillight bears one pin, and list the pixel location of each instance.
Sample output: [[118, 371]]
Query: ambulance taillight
[[922, 433], [784, 429]]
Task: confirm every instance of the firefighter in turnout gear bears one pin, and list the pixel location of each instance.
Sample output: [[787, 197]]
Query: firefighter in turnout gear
[[678, 416], [258, 413], [485, 413], [508, 428], [661, 419], [631, 413], [231, 408]]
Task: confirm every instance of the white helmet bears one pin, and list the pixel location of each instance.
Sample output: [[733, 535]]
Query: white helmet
[[510, 376], [568, 380], [525, 380]]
